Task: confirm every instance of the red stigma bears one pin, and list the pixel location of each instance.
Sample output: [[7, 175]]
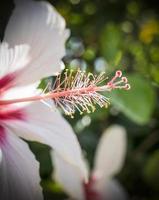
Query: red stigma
[[118, 73], [127, 87], [124, 79]]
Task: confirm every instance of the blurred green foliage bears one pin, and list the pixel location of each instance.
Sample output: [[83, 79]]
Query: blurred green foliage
[[139, 102], [105, 36]]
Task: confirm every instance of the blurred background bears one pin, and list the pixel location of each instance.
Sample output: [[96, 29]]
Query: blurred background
[[107, 35]]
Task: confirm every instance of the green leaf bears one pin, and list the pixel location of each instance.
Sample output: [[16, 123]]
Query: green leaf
[[155, 73], [51, 186], [117, 58], [42, 154], [110, 40], [138, 102], [150, 172]]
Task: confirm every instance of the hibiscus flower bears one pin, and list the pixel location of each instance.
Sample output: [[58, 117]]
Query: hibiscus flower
[[32, 49], [101, 185]]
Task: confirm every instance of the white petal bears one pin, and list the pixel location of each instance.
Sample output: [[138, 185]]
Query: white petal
[[111, 190], [49, 127], [69, 177], [19, 171], [111, 152], [12, 59], [40, 26]]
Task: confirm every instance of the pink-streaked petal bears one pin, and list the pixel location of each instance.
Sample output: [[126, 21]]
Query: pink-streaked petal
[[21, 92], [49, 127], [111, 190], [19, 171], [0, 156], [111, 151], [40, 26], [12, 59], [69, 177]]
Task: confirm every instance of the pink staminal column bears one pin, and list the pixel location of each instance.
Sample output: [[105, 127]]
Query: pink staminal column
[[79, 91]]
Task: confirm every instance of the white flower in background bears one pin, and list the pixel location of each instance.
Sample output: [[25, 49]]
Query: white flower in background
[[109, 160], [32, 49]]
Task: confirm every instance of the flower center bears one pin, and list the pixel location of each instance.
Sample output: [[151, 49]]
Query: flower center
[[14, 114], [7, 112], [6, 83], [90, 191], [9, 115], [2, 135]]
